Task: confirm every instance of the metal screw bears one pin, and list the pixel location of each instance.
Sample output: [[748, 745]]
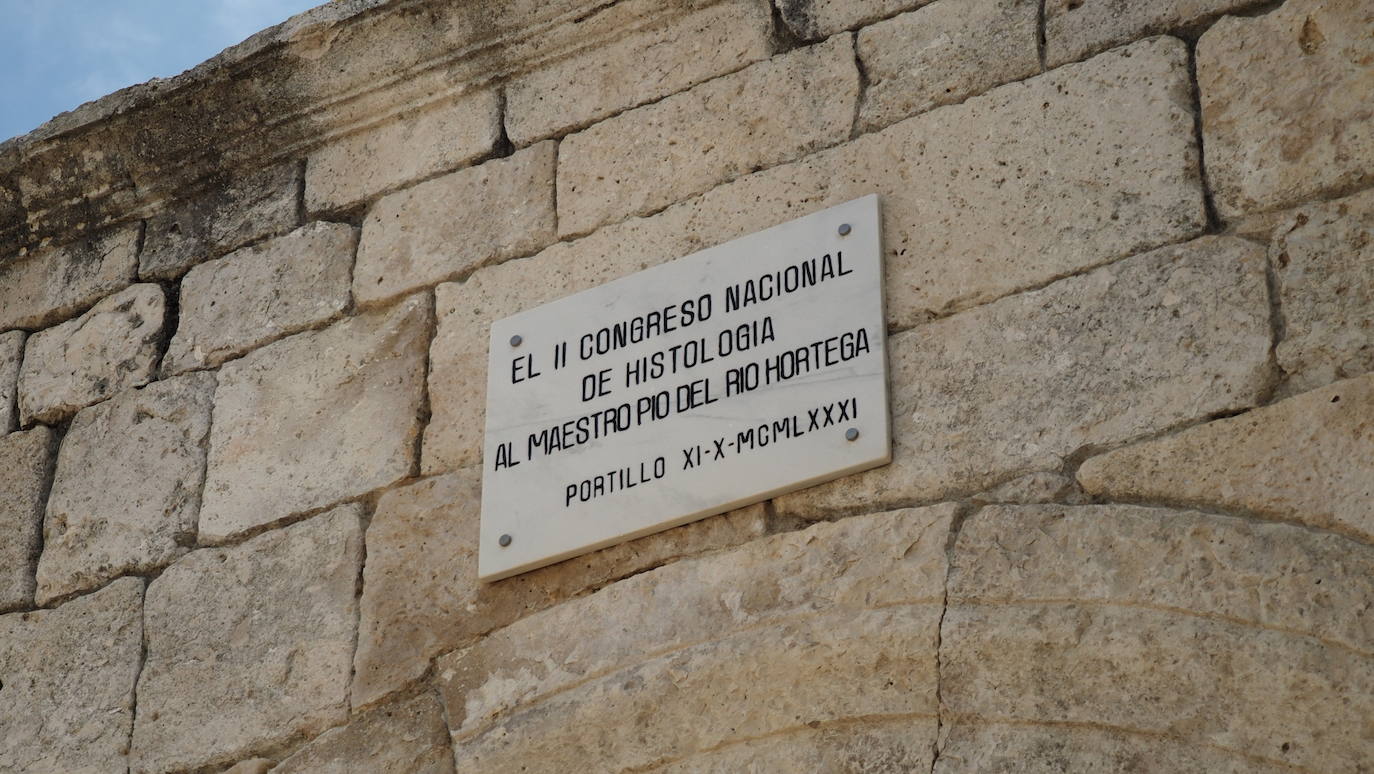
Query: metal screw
[[515, 340], [845, 229], [851, 434], [504, 540]]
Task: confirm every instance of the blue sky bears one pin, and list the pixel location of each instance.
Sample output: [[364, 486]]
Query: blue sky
[[57, 54]]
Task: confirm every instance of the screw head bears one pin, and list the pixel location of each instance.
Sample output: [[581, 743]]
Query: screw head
[[504, 540], [852, 434], [515, 340], [845, 229]]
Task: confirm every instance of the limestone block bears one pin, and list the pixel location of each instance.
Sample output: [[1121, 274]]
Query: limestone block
[[231, 214], [1020, 748], [904, 744], [664, 56], [11, 355], [315, 419], [26, 464], [962, 237], [1309, 458], [421, 596], [1075, 29], [816, 19], [252, 766], [114, 346], [261, 293], [447, 227], [798, 630], [944, 53], [357, 167], [127, 487], [51, 285], [406, 737], [68, 692], [650, 157], [1020, 385], [1041, 487], [249, 646], [1323, 259], [1285, 108]]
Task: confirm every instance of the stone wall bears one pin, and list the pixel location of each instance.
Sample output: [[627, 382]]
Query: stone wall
[[1128, 524]]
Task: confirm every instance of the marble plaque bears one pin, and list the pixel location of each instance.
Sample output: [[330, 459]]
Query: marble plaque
[[688, 389]]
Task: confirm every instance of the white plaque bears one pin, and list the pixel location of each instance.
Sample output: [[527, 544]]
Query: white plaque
[[688, 389]]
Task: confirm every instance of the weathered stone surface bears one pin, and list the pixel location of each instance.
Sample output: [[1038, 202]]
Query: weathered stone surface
[[838, 622], [1309, 458], [51, 285], [959, 238], [1285, 108], [127, 487], [447, 227], [261, 293], [1041, 487], [253, 766], [26, 464], [944, 53], [1016, 748], [233, 213], [1323, 259], [421, 596], [650, 157], [114, 346], [1075, 29], [316, 418], [672, 53], [901, 744], [815, 19], [249, 646], [68, 674], [407, 737], [1019, 385], [11, 355], [357, 167]]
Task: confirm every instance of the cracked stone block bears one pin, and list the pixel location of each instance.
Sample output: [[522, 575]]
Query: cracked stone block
[[315, 419], [26, 465], [404, 737], [113, 347], [52, 284], [249, 646], [68, 683], [1075, 29], [1020, 385], [259, 294], [1285, 103], [421, 596], [816, 19], [127, 488], [11, 355]]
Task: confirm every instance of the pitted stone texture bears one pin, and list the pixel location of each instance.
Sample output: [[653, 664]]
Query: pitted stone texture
[[1309, 458], [1075, 29], [127, 487], [261, 293], [421, 596], [406, 737], [69, 675], [357, 167], [51, 285], [675, 53], [249, 646], [1323, 259], [11, 355], [650, 157], [989, 747], [944, 53], [1285, 103], [232, 214], [903, 744], [799, 630], [26, 465], [1019, 385], [816, 19], [447, 227], [254, 766], [113, 347], [1041, 487], [315, 419], [952, 241]]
